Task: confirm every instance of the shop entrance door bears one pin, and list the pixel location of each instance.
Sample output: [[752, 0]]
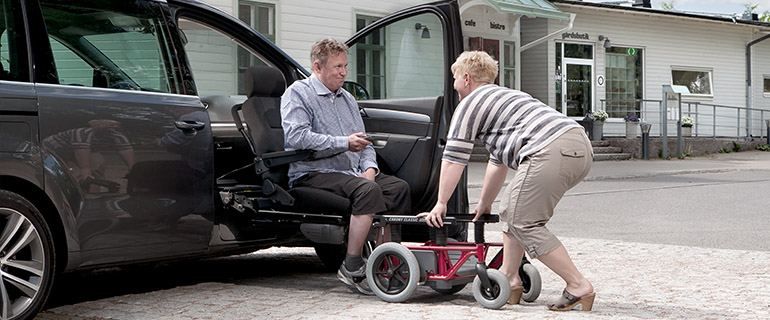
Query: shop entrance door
[[577, 100]]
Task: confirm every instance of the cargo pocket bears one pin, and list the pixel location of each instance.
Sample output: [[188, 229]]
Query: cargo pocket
[[572, 163]]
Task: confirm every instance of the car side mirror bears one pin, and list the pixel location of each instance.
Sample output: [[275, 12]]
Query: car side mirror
[[356, 89]]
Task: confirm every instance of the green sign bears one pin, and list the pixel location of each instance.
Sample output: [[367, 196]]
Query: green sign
[[631, 51]]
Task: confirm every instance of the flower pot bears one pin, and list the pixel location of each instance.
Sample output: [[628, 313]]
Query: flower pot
[[598, 130], [686, 131], [631, 127]]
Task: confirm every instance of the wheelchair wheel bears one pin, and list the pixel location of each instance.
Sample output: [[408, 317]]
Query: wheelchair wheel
[[498, 295], [530, 279], [392, 272]]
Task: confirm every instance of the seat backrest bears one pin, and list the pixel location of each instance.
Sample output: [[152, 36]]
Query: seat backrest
[[262, 114], [262, 109]]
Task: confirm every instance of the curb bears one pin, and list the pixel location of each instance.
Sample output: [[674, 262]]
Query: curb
[[642, 175]]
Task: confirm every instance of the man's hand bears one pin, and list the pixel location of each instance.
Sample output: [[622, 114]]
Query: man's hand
[[481, 210], [356, 142], [433, 218], [368, 174]]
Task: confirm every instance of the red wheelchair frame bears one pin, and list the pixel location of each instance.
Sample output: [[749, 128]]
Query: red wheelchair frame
[[395, 270]]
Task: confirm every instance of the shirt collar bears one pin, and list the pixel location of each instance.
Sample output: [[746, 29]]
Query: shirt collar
[[320, 88]]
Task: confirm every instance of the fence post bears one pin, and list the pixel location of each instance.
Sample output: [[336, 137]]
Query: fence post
[[714, 122], [738, 133]]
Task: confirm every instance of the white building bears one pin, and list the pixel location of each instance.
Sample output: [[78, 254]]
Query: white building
[[575, 56]]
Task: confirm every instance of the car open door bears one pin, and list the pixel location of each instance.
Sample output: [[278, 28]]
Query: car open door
[[403, 60]]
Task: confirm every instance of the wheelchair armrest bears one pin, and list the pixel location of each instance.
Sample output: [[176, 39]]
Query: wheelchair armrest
[[486, 218], [279, 158]]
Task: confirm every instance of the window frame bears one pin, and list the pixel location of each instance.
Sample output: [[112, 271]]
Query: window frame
[[254, 21], [640, 82], [368, 49], [766, 85], [509, 58], [709, 71]]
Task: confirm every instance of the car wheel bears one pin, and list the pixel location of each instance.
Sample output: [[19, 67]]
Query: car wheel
[[26, 258]]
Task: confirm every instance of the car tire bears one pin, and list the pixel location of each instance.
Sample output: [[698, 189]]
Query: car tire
[[27, 257]]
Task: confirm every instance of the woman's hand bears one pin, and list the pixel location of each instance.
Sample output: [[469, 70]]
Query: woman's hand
[[433, 218], [481, 210]]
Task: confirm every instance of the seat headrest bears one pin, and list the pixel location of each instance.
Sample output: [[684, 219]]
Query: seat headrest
[[264, 81]]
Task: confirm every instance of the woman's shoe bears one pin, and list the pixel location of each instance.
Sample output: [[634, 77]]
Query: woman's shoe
[[567, 301], [516, 292]]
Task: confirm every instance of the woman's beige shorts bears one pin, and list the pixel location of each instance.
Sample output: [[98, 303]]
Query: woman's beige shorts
[[538, 185]]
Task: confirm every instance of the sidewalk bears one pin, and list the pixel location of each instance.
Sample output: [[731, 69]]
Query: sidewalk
[[605, 170]]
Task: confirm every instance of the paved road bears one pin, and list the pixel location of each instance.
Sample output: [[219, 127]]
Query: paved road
[[659, 239]]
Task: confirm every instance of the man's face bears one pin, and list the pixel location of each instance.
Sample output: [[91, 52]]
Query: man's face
[[461, 84], [333, 73]]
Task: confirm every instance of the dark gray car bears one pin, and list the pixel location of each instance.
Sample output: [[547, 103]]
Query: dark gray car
[[116, 137]]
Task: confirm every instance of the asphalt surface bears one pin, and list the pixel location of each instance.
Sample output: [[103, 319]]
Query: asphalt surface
[[659, 239]]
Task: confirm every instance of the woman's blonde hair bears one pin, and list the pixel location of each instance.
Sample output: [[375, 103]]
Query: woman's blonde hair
[[478, 64]]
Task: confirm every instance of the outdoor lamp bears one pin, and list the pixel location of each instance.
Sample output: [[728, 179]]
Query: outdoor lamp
[[425, 32], [606, 40], [646, 139]]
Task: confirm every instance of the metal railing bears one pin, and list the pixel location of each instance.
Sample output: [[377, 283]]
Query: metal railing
[[711, 120], [726, 121]]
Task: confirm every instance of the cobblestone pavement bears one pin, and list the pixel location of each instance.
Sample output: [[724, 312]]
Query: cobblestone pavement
[[632, 280]]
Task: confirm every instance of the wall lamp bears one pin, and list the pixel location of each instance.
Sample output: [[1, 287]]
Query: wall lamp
[[425, 32], [606, 40]]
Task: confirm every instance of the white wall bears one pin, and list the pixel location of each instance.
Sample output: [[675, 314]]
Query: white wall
[[535, 77], [299, 23]]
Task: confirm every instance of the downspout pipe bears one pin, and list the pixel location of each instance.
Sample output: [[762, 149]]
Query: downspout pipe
[[546, 38], [748, 83]]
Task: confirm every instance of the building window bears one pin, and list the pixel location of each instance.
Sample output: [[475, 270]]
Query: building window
[[261, 17], [698, 81], [509, 64], [370, 58], [767, 86], [624, 81]]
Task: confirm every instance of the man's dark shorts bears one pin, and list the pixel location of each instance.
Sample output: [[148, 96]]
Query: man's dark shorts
[[386, 194]]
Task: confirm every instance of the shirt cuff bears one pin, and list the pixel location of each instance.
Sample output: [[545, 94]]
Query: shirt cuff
[[366, 164], [340, 143]]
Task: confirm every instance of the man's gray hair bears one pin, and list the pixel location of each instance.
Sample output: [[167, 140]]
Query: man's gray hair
[[326, 48]]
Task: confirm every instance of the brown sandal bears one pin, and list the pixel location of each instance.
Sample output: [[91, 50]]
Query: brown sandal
[[567, 301], [516, 293]]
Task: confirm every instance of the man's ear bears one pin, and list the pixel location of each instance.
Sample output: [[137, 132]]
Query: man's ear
[[315, 66]]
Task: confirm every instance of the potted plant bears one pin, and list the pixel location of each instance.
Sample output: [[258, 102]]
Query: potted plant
[[687, 124], [598, 127], [632, 122]]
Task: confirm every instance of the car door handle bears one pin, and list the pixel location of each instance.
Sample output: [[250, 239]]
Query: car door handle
[[190, 125], [190, 128]]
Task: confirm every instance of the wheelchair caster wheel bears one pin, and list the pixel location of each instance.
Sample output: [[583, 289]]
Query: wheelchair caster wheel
[[495, 297], [392, 272], [530, 279]]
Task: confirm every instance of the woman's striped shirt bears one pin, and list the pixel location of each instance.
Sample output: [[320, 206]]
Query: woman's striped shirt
[[511, 124]]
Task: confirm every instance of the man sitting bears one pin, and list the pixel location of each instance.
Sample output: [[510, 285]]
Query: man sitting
[[318, 114]]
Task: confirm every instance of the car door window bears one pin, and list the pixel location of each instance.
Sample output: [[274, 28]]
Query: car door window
[[404, 59], [102, 44], [13, 54], [218, 63]]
